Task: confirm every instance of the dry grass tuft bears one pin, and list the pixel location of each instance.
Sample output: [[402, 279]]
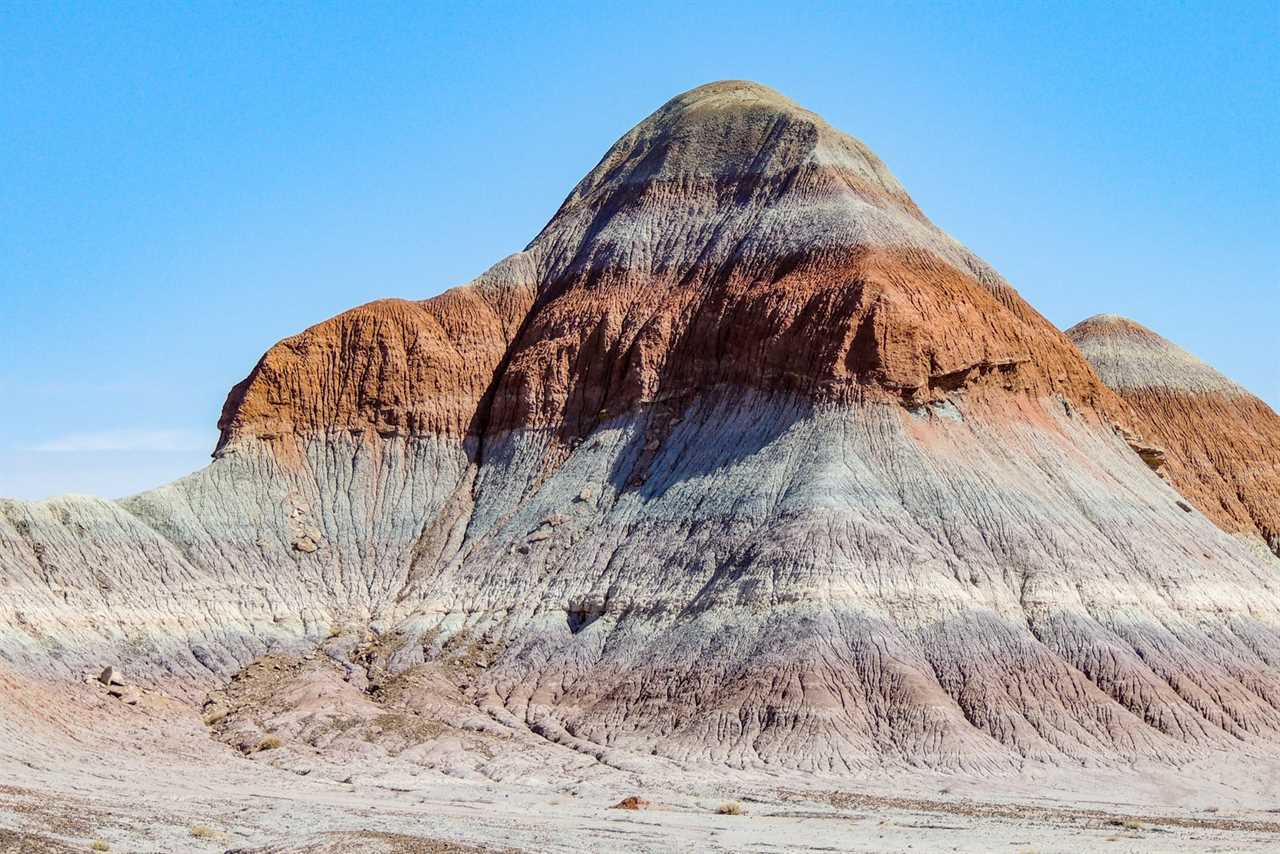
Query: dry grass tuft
[[632, 802], [214, 717], [730, 808], [99, 845], [270, 742], [200, 831]]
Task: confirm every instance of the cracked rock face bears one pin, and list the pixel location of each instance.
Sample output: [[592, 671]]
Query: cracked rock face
[[741, 460], [1221, 444]]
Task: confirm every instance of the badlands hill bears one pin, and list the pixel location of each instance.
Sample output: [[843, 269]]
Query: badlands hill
[[1221, 444], [742, 460]]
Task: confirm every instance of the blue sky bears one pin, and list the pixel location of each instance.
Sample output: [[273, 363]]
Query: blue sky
[[183, 186]]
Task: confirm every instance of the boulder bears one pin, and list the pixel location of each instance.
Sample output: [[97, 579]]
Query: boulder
[[111, 676]]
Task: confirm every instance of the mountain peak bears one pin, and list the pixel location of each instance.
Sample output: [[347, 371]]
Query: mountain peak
[[1128, 355], [742, 461], [744, 91], [1221, 443], [738, 130], [731, 239]]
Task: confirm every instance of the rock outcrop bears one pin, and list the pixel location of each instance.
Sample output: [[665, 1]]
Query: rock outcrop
[[1221, 445], [393, 367], [741, 460]]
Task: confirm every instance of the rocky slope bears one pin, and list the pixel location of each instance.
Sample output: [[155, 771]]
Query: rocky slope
[[740, 460], [1221, 444]]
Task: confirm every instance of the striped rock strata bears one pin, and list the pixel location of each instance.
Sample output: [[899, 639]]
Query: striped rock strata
[[1221, 444], [741, 460]]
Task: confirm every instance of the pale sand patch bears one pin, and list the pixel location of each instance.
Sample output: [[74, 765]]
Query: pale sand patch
[[142, 779]]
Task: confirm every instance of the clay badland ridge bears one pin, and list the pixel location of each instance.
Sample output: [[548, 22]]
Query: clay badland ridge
[[730, 238], [1222, 443], [741, 460]]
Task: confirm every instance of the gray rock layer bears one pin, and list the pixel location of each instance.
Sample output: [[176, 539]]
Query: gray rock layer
[[825, 589]]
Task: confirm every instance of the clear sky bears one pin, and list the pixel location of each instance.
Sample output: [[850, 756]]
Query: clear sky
[[182, 186]]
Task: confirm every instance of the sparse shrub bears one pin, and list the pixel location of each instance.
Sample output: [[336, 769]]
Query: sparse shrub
[[201, 832], [730, 808], [270, 742], [99, 845], [1126, 823]]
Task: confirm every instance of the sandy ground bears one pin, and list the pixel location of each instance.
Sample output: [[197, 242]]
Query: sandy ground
[[262, 808], [174, 797], [152, 779]]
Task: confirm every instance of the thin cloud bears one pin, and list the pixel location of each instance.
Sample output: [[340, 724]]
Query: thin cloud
[[114, 441]]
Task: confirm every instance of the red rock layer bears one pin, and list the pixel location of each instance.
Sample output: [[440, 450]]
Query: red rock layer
[[878, 323], [735, 238], [730, 238], [392, 366], [1222, 444]]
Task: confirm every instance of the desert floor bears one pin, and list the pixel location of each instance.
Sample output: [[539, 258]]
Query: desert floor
[[75, 769]]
